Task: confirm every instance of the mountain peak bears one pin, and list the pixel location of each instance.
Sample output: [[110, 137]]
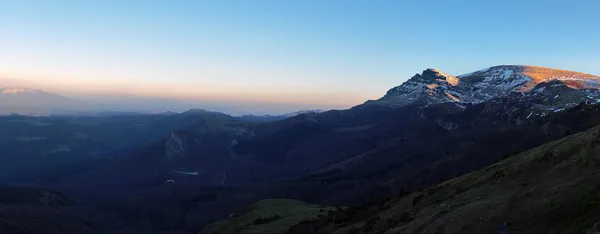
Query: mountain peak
[[14, 90], [434, 71], [450, 79], [434, 86], [425, 88]]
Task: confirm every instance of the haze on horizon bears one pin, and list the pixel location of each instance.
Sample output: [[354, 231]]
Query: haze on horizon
[[278, 56]]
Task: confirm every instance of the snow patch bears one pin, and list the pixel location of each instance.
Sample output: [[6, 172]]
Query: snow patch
[[452, 97], [507, 74]]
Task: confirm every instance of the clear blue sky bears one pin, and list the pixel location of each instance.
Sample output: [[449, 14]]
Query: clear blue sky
[[321, 52]]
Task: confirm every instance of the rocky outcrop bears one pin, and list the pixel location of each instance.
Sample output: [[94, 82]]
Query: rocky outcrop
[[175, 146]]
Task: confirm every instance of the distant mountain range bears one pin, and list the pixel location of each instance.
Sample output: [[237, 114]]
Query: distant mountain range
[[204, 166], [303, 112], [34, 102], [270, 118], [415, 136]]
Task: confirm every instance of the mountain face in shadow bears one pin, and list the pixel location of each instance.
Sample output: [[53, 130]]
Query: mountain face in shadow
[[203, 165], [46, 149], [547, 189]]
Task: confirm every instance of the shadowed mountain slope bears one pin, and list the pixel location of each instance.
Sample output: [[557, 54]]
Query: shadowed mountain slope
[[553, 188]]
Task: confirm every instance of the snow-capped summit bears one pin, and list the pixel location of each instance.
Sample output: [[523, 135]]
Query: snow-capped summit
[[431, 86], [525, 78], [434, 86]]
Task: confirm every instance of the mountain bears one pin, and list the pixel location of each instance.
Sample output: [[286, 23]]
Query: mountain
[[414, 137], [35, 102], [403, 149], [552, 188], [47, 148], [315, 111], [434, 86], [369, 135], [271, 118], [198, 142], [37, 210], [260, 118]]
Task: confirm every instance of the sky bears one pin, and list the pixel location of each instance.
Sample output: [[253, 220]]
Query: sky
[[280, 55]]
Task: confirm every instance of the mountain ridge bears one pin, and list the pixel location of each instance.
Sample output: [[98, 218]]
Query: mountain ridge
[[26, 101], [16, 90], [345, 157], [435, 86]]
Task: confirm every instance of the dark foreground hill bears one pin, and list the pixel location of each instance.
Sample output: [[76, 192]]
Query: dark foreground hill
[[553, 188], [267, 216]]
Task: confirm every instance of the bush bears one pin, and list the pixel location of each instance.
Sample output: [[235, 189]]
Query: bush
[[260, 221]]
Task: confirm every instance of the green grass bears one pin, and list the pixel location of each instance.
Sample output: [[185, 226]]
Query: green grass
[[554, 188], [266, 217]]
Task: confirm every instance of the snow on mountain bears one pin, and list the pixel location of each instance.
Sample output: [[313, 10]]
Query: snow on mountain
[[434, 86], [302, 112], [422, 88]]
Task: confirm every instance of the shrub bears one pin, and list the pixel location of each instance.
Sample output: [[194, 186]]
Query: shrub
[[260, 221]]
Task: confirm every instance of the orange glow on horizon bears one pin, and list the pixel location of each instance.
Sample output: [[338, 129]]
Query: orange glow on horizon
[[185, 91]]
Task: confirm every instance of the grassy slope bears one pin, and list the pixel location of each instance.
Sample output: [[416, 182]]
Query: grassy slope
[[265, 217], [553, 188]]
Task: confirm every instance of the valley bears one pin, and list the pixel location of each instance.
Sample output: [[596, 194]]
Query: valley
[[473, 153]]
